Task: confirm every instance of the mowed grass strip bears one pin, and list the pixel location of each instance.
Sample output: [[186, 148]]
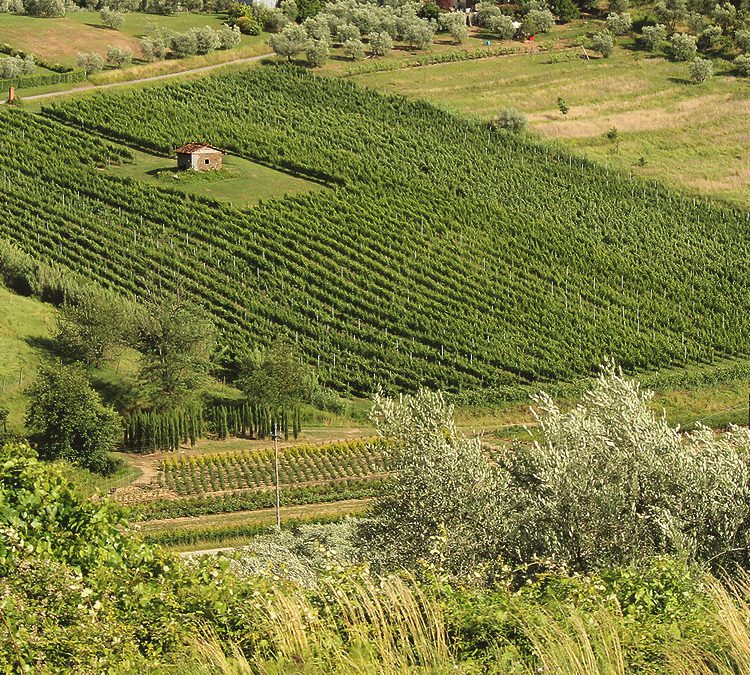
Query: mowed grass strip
[[240, 182], [689, 136]]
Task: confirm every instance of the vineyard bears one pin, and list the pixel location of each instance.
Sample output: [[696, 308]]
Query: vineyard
[[217, 472], [444, 253]]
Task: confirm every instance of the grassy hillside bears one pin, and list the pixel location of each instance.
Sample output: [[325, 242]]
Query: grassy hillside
[[25, 325], [444, 253], [685, 135]]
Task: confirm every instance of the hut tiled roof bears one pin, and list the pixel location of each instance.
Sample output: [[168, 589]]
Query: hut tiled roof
[[194, 147]]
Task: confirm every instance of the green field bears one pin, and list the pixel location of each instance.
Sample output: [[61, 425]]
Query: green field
[[61, 40], [690, 136], [240, 182]]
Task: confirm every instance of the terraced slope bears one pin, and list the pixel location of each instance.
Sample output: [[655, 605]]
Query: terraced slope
[[443, 254]]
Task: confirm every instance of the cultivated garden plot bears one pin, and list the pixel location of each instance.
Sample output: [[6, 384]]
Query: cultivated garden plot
[[254, 470]]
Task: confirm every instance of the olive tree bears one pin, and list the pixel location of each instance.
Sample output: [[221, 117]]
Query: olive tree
[[380, 43], [683, 47], [289, 42], [619, 24], [502, 26], [455, 24], [653, 36], [111, 19], [742, 65], [701, 70], [669, 12], [418, 33], [603, 42], [317, 52], [510, 119], [537, 21], [119, 57], [354, 49], [90, 62]]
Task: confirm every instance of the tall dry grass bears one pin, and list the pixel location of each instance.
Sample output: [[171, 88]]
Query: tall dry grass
[[390, 627]]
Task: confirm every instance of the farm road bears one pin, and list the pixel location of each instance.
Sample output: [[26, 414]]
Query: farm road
[[153, 78]]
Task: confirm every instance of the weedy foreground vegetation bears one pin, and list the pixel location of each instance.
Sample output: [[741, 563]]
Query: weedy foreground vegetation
[[615, 544]]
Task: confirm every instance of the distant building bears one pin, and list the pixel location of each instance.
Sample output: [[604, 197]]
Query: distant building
[[199, 157]]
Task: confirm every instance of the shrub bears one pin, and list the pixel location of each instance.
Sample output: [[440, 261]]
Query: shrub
[[701, 70], [742, 65], [206, 39], [502, 26], [354, 49], [46, 8], [537, 21], [289, 9], [653, 36], [683, 47], [742, 40], [380, 43], [90, 62], [618, 6], [604, 43], [67, 420], [153, 48], [229, 36], [119, 57], [275, 21], [455, 24], [709, 37], [566, 10], [111, 19], [619, 24], [184, 44], [248, 25], [510, 119]]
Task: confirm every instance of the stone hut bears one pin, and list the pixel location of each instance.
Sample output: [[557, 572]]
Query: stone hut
[[199, 157]]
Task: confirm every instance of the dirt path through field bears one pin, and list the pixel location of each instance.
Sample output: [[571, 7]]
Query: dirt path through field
[[153, 78]]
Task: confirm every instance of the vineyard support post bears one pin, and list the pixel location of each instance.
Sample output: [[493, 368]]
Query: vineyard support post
[[276, 463]]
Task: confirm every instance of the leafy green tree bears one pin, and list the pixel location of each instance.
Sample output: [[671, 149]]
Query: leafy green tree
[[418, 33], [46, 8], [669, 12], [653, 36], [565, 10], [709, 38], [455, 24], [701, 70], [184, 44], [92, 327], [618, 6], [724, 15], [290, 9], [111, 19], [275, 377], [346, 32], [176, 340], [206, 39], [683, 47], [604, 43], [153, 48], [229, 36], [67, 420]]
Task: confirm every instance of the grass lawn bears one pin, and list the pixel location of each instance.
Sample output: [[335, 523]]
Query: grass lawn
[[240, 182], [689, 136], [60, 40]]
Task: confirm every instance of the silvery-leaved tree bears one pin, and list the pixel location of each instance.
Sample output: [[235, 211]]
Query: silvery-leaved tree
[[442, 507], [608, 483]]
